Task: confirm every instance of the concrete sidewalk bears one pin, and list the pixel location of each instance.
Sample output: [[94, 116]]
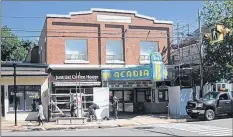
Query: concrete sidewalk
[[125, 122]]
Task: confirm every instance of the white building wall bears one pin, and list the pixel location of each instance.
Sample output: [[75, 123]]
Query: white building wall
[[21, 116]]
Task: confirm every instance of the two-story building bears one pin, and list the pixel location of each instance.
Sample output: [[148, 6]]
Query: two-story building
[[77, 46]]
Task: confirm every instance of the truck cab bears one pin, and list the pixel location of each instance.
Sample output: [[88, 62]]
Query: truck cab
[[212, 104]]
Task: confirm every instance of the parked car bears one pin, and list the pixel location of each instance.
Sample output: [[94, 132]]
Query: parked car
[[212, 104]]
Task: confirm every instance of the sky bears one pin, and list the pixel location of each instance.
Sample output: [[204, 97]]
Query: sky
[[183, 12]]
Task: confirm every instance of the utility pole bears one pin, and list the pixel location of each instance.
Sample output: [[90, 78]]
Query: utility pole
[[201, 54], [178, 45]]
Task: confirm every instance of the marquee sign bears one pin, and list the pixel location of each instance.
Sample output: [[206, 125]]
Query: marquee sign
[[135, 73], [156, 71]]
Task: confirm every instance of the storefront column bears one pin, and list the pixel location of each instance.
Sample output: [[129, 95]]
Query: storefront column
[[156, 95], [135, 96], [6, 101]]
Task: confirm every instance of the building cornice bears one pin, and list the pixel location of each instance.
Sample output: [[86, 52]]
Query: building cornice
[[110, 11]]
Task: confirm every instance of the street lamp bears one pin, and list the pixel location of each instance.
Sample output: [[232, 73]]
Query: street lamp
[[15, 91]]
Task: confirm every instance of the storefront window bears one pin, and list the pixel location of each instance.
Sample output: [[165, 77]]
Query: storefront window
[[128, 96], [144, 95], [140, 96], [163, 95], [24, 97], [119, 96]]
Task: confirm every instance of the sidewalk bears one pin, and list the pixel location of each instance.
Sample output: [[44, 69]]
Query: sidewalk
[[25, 126]]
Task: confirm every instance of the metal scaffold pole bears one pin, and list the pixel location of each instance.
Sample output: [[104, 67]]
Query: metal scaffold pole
[[80, 94]]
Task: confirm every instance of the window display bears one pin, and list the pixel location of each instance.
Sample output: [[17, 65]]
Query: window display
[[128, 96], [27, 97]]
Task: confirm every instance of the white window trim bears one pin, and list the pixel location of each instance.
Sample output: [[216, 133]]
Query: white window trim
[[144, 61], [77, 61], [115, 61]]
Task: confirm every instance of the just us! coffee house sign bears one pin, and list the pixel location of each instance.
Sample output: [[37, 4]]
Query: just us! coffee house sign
[[155, 71]]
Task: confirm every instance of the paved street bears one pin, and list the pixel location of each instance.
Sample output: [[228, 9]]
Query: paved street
[[219, 127]]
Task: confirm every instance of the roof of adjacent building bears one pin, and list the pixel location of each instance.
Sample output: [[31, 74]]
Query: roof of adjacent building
[[109, 11], [23, 73], [23, 69]]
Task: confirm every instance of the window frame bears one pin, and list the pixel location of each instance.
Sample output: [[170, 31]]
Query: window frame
[[228, 98], [76, 61], [114, 61], [157, 50]]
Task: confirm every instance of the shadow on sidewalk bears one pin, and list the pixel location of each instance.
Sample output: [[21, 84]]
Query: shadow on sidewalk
[[157, 116]]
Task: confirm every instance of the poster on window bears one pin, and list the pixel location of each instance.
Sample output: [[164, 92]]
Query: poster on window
[[160, 95], [32, 94]]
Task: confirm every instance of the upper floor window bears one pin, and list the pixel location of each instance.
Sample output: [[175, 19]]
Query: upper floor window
[[76, 50], [114, 51], [146, 48]]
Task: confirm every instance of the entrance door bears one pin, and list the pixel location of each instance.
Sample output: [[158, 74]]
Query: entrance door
[[2, 101]]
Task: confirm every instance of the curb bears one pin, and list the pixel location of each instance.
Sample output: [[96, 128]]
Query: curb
[[100, 126], [72, 128]]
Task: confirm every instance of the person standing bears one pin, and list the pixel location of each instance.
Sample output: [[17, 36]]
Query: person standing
[[34, 105], [115, 107], [41, 114], [73, 108]]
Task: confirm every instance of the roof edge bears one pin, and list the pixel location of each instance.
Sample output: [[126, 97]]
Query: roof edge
[[108, 10]]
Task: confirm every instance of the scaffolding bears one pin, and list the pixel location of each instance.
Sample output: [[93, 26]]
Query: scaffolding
[[60, 100], [185, 57]]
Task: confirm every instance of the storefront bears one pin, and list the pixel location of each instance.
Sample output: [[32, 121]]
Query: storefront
[[65, 83], [140, 89], [31, 86]]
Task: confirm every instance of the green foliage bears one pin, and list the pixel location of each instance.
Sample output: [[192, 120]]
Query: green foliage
[[218, 59], [214, 12], [11, 47]]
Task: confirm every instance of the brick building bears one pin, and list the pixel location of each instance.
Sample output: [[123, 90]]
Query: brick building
[[97, 29], [89, 41]]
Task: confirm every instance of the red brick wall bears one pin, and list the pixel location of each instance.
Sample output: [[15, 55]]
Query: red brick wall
[[56, 45]]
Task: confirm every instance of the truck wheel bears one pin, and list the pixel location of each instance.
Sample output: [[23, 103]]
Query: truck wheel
[[209, 114]]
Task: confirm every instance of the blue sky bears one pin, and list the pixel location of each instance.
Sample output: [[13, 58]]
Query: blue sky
[[184, 12]]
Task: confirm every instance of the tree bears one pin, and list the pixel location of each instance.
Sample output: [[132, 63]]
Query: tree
[[218, 59], [11, 47]]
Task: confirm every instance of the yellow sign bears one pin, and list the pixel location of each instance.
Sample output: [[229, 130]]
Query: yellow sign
[[218, 33], [132, 73]]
